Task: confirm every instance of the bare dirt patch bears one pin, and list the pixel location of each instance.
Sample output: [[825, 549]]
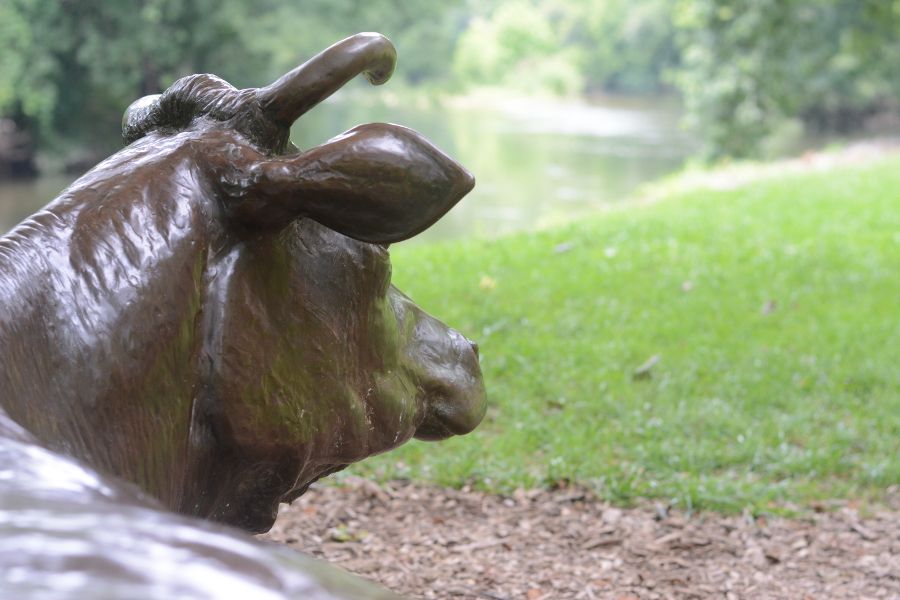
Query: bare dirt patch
[[428, 542]]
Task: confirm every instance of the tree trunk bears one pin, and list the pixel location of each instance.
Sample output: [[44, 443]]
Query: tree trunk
[[17, 150]]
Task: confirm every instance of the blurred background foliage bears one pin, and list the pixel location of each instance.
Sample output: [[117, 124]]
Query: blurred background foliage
[[748, 66], [745, 70]]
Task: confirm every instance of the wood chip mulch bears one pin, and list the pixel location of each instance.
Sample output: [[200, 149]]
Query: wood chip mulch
[[429, 542]]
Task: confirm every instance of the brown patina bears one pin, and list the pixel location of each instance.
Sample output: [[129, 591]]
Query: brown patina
[[208, 313]]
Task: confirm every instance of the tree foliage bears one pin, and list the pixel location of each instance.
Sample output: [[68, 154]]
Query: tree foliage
[[628, 46], [748, 66], [520, 45], [423, 32], [69, 65], [745, 68], [569, 46]]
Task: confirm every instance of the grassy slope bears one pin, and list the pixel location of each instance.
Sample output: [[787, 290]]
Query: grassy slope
[[750, 405]]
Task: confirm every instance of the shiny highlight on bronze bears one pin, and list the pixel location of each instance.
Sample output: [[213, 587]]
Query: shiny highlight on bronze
[[208, 313]]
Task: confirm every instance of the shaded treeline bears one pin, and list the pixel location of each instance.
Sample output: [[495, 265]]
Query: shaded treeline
[[746, 69]]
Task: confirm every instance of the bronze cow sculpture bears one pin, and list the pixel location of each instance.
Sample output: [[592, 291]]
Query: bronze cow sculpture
[[208, 313], [69, 532]]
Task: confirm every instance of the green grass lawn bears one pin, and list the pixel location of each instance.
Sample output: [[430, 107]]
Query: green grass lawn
[[774, 310]]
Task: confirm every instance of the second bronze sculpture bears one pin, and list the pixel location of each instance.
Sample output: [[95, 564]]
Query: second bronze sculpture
[[208, 313]]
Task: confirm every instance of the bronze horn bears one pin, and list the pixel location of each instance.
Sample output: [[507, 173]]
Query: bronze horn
[[285, 100]]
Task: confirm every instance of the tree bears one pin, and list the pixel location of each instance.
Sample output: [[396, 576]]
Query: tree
[[628, 46], [748, 66], [69, 66], [521, 45], [424, 32]]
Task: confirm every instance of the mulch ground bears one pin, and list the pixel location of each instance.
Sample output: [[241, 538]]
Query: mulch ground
[[428, 542]]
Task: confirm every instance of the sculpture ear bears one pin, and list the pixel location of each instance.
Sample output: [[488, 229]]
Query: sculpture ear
[[377, 183]]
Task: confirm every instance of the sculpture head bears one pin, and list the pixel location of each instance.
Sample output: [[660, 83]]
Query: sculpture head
[[243, 337]]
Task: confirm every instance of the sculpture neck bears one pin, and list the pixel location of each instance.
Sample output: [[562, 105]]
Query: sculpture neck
[[97, 331]]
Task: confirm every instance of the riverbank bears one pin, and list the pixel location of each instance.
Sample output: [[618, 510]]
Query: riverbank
[[730, 349]]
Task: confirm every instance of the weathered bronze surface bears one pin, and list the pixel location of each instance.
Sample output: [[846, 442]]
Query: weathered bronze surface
[[68, 532], [208, 313]]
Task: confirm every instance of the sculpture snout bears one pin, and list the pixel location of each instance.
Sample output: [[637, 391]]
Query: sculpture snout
[[454, 398]]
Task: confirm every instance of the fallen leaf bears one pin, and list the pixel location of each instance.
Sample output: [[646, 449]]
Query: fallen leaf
[[487, 283], [643, 371], [863, 532]]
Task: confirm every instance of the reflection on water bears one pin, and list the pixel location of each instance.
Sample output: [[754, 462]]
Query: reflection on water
[[536, 163], [18, 199]]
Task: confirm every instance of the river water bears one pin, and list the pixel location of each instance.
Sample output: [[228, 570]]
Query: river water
[[536, 163]]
